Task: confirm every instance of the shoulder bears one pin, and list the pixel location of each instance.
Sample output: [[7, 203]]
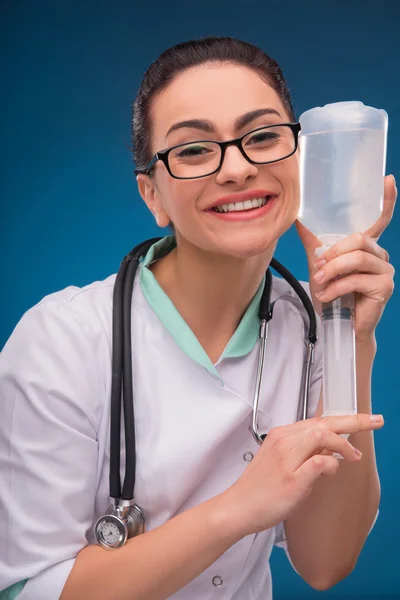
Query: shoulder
[[290, 310], [282, 290], [87, 308], [62, 347], [83, 303], [282, 286]]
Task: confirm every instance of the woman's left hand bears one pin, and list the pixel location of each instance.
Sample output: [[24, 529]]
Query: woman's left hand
[[355, 264]]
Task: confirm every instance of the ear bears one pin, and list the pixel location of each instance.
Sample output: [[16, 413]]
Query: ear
[[151, 196]]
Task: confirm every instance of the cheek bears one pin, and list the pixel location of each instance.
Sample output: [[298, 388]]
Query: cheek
[[295, 194], [292, 178], [295, 182], [293, 169], [288, 175], [180, 197]]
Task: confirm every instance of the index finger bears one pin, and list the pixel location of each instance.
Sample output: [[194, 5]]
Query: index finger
[[350, 423], [353, 242], [337, 423]]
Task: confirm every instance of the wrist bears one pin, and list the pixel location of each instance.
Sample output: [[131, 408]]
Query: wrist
[[366, 349], [226, 517], [366, 341]]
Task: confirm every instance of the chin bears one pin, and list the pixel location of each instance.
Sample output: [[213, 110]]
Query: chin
[[248, 248]]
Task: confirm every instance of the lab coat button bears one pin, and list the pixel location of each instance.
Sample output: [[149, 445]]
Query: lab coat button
[[217, 581], [248, 456]]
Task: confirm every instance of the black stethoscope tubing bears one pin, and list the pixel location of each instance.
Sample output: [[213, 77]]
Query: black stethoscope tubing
[[122, 380]]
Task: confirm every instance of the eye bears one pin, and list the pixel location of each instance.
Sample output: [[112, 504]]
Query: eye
[[192, 150], [263, 137]]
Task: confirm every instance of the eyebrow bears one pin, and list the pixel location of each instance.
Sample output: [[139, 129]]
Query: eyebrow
[[207, 126]]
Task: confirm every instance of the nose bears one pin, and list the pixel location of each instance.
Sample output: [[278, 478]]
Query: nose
[[235, 168]]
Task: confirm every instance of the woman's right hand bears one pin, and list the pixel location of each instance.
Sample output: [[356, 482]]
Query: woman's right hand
[[291, 459]]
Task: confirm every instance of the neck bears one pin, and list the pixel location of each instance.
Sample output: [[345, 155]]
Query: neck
[[210, 291]]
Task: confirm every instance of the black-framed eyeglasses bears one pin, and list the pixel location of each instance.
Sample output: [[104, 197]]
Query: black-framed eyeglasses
[[201, 158]]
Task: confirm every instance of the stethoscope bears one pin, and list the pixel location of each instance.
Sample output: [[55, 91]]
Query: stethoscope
[[124, 519]]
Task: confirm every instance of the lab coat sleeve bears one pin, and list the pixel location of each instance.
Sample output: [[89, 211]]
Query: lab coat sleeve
[[50, 388]]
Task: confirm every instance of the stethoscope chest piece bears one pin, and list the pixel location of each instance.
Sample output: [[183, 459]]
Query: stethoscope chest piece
[[120, 523]]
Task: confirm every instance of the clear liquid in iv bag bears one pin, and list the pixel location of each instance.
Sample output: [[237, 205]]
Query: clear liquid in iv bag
[[344, 192]]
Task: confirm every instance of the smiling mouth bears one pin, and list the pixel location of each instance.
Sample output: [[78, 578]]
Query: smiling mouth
[[245, 205]]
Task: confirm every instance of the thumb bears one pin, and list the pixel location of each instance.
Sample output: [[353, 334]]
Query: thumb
[[309, 241]]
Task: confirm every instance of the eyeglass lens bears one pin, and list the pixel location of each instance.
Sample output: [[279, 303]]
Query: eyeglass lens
[[265, 145]]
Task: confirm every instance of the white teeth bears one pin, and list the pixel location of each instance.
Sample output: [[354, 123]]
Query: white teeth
[[246, 205]]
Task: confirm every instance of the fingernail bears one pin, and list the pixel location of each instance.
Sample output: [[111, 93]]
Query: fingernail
[[320, 263], [357, 452], [319, 275], [319, 294], [376, 418], [394, 179]]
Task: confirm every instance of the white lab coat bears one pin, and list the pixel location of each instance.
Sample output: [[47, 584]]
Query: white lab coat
[[192, 430]]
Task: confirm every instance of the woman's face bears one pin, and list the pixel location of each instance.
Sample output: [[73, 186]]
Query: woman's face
[[219, 94]]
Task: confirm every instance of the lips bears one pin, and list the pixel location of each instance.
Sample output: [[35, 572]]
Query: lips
[[243, 215], [241, 197]]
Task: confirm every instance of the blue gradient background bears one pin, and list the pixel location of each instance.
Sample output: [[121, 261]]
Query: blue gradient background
[[69, 205]]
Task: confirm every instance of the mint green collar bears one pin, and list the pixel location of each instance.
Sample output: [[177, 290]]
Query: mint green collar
[[241, 342]]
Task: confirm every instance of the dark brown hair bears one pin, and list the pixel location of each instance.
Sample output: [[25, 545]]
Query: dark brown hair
[[179, 58]]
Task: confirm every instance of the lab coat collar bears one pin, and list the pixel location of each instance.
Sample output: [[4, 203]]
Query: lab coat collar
[[243, 339]]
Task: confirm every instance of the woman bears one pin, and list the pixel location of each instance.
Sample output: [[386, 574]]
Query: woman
[[215, 502]]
